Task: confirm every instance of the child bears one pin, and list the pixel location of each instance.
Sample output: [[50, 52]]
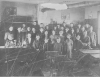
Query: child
[[61, 36], [78, 43], [9, 37], [19, 37], [28, 36], [33, 34], [58, 46], [53, 36], [46, 35], [66, 32], [69, 46], [41, 33], [51, 45], [37, 44], [23, 31], [46, 45]]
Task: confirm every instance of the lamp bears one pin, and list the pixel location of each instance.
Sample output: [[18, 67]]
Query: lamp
[[54, 6]]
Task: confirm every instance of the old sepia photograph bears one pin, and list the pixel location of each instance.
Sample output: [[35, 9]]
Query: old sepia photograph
[[50, 38]]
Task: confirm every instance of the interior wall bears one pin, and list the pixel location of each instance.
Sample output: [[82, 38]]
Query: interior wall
[[23, 9], [76, 14], [91, 11], [0, 12], [26, 9]]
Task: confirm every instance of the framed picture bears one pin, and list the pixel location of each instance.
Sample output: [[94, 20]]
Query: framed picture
[[90, 15], [65, 16], [68, 16]]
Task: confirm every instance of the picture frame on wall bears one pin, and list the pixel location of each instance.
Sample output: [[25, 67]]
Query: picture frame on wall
[[65, 16], [68, 16], [90, 15]]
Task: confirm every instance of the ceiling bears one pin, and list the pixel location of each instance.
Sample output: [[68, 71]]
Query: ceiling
[[70, 3], [47, 1]]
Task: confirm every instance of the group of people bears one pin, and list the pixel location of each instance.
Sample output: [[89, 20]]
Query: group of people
[[53, 37]]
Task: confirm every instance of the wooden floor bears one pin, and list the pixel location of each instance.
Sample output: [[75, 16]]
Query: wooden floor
[[28, 62]]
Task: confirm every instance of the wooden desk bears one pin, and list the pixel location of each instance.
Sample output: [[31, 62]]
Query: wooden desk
[[2, 47], [94, 53]]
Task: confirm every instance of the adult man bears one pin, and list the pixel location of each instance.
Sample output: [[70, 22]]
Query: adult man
[[36, 26], [92, 36], [86, 40]]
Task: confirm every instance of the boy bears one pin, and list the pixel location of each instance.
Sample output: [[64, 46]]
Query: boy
[[46, 45], [58, 46], [69, 46], [28, 36], [78, 43], [37, 43]]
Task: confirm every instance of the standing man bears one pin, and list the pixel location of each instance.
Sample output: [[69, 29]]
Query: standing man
[[92, 36], [36, 26], [86, 40]]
